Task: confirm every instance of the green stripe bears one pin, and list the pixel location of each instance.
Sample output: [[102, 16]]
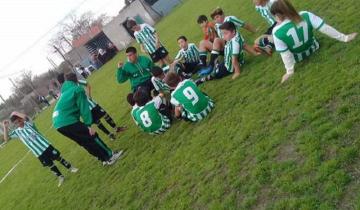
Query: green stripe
[[103, 146]]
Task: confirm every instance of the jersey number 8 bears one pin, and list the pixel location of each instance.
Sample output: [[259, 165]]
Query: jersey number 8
[[190, 94], [145, 119]]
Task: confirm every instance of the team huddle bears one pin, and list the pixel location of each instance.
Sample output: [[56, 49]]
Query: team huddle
[[161, 94]]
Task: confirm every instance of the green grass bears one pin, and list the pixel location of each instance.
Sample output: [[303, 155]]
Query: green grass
[[265, 146]]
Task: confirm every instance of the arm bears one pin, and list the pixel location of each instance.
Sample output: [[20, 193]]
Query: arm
[[333, 33], [289, 62], [88, 90], [157, 40], [83, 105], [142, 48], [235, 64], [121, 73]]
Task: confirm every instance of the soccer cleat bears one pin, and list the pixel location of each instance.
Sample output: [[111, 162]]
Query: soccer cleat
[[114, 158], [61, 180], [205, 71], [73, 169]]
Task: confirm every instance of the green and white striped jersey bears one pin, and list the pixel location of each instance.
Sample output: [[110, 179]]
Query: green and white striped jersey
[[92, 103], [149, 119], [146, 37], [31, 137], [233, 48], [160, 85], [298, 38], [196, 105], [265, 12], [189, 55], [238, 23]]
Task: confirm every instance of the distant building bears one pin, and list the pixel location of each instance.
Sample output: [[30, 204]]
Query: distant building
[[116, 32]]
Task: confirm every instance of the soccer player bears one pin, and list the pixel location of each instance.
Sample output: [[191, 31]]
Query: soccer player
[[157, 79], [219, 43], [206, 44], [72, 105], [37, 143], [147, 113], [149, 42], [97, 112], [189, 56], [293, 35], [234, 55], [136, 69], [190, 103]]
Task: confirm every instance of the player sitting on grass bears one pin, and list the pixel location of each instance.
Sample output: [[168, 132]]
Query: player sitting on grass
[[265, 42], [147, 113], [149, 42], [157, 78], [206, 44], [190, 103], [37, 143], [188, 56], [293, 35], [234, 55], [97, 111], [219, 43]]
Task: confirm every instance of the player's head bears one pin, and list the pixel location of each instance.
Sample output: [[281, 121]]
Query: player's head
[[182, 41], [157, 72], [283, 9], [130, 99], [132, 25], [61, 78], [131, 54], [142, 96], [18, 119], [218, 15], [71, 77], [260, 2], [172, 79], [229, 30], [202, 20]]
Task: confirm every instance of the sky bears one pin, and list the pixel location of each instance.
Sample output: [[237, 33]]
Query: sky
[[26, 26]]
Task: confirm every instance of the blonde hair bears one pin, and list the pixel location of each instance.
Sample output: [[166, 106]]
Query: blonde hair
[[284, 9]]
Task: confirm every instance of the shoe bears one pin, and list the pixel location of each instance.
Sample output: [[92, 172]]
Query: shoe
[[61, 180], [120, 129], [112, 136], [205, 71], [114, 158], [73, 169]]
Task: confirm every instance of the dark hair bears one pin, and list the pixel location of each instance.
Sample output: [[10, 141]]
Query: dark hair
[[284, 9], [13, 118], [60, 78], [131, 49], [217, 11], [182, 37], [172, 79], [142, 96], [201, 19], [130, 23], [229, 26], [130, 99], [71, 77], [156, 71]]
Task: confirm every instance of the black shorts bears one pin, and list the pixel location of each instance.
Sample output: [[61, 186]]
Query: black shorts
[[269, 30], [48, 156], [97, 113], [159, 54], [191, 67], [221, 71]]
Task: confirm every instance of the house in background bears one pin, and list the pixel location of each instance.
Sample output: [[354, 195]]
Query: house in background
[[116, 32]]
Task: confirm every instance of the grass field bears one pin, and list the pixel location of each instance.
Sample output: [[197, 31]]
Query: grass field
[[265, 146]]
